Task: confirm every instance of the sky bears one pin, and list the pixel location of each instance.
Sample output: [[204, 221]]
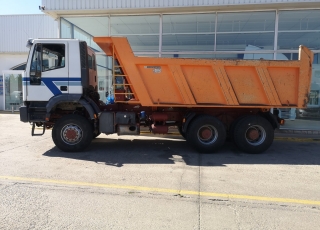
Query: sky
[[20, 7]]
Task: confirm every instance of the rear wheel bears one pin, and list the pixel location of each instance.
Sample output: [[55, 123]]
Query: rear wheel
[[206, 134], [95, 135], [72, 133], [183, 134], [253, 134], [232, 127]]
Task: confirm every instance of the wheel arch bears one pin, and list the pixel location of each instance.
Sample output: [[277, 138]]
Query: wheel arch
[[188, 118], [74, 98], [271, 118]]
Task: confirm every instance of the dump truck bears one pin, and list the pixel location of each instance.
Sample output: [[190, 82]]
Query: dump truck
[[209, 101]]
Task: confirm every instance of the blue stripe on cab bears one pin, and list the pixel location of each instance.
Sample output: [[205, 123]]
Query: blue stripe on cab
[[53, 88], [55, 79], [49, 82]]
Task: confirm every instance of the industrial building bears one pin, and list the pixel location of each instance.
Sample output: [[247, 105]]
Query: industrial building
[[16, 30]]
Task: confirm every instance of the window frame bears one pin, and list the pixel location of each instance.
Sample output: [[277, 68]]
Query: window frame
[[64, 56]]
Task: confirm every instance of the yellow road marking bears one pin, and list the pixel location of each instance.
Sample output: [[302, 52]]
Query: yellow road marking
[[163, 190]]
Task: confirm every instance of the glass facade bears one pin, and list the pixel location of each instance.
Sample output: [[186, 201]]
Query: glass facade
[[236, 31], [142, 31], [272, 35], [193, 32], [299, 27], [12, 88], [1, 85], [104, 73]]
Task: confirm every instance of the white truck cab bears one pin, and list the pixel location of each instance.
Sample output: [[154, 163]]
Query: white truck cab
[[59, 75], [51, 71]]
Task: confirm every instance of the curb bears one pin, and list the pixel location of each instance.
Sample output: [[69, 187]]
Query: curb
[[297, 139], [9, 112], [301, 135], [298, 131]]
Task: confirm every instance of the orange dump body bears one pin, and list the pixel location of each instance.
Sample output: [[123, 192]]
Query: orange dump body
[[177, 82]]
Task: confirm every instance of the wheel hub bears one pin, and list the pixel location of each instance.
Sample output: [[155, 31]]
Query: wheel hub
[[205, 133], [71, 134], [255, 135], [252, 134]]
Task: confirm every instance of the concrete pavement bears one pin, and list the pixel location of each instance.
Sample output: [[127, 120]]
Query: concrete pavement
[[149, 182]]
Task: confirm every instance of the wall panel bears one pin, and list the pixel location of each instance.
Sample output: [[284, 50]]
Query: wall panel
[[17, 29]]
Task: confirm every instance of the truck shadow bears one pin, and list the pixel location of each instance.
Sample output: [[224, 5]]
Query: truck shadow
[[118, 153]]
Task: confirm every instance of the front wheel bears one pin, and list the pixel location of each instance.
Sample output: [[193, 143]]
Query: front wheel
[[72, 133], [206, 134], [253, 134]]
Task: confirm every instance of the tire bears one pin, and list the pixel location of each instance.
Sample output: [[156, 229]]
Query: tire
[[183, 134], [206, 134], [95, 135], [253, 134], [79, 130], [232, 127]]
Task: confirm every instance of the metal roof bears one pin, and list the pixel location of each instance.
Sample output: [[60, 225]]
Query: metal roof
[[68, 7], [16, 29]]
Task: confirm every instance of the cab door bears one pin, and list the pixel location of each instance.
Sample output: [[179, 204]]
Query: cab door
[[48, 71]]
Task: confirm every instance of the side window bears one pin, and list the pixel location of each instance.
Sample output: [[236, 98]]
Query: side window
[[53, 56], [35, 68], [46, 57], [93, 62], [90, 62]]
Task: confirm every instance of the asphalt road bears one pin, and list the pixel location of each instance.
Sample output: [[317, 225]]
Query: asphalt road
[[154, 183]]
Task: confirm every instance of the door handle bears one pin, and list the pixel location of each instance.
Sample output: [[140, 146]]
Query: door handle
[[64, 88]]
